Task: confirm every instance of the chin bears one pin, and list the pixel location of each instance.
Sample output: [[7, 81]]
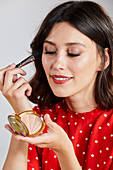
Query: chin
[[60, 94]]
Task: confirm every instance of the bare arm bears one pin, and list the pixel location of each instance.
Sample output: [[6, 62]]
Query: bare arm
[[17, 156], [68, 160], [15, 90]]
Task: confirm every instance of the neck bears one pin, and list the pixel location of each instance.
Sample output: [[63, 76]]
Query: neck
[[81, 103]]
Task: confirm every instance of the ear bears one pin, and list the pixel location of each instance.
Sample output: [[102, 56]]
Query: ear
[[107, 60]]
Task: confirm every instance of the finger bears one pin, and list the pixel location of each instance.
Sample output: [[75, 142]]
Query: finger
[[18, 83], [2, 74], [15, 78], [23, 89], [10, 129], [48, 121], [3, 70], [8, 81], [26, 88], [40, 139], [14, 114]]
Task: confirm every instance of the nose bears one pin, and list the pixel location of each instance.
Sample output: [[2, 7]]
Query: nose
[[60, 62]]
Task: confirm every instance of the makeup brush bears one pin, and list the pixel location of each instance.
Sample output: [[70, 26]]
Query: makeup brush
[[26, 61]]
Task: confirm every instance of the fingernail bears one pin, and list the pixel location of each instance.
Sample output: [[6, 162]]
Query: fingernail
[[48, 115], [12, 65], [7, 128]]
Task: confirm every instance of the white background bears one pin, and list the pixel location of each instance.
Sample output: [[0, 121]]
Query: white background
[[19, 22]]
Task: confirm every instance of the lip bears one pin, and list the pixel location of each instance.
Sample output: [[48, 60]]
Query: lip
[[60, 79]]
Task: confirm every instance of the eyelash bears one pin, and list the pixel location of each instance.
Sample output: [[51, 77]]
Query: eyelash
[[49, 52], [69, 54]]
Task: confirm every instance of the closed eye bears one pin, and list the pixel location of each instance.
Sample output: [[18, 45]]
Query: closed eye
[[73, 55], [50, 52]]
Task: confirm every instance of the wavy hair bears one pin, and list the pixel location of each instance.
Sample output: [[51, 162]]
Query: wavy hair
[[90, 19]]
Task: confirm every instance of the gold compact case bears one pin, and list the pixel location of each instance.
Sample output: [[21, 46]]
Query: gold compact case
[[27, 123]]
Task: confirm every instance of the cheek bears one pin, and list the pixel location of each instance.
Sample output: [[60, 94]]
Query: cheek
[[46, 64], [79, 64], [83, 66]]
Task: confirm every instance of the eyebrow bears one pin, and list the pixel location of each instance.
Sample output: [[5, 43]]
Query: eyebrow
[[67, 44]]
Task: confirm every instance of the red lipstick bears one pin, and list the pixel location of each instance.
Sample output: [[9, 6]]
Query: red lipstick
[[60, 79]]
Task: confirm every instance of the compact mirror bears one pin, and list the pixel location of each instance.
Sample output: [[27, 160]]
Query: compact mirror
[[27, 123]]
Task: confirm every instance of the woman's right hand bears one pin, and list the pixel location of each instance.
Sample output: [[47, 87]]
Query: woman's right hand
[[15, 89]]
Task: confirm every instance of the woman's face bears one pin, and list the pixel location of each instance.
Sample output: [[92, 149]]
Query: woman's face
[[70, 60]]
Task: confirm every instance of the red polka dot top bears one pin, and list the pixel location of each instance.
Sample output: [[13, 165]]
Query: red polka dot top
[[91, 134]]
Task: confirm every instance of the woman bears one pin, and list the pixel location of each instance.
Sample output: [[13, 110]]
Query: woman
[[73, 87]]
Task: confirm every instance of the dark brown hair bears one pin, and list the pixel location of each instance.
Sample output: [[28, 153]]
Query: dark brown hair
[[90, 19]]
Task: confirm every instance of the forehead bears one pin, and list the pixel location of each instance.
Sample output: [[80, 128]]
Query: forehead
[[63, 32]]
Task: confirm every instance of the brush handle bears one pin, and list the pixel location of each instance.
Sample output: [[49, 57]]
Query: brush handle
[[26, 61]]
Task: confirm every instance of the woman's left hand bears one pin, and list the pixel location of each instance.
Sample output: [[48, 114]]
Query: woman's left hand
[[55, 138]]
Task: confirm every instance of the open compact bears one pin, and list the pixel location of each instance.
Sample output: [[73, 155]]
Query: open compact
[[27, 123]]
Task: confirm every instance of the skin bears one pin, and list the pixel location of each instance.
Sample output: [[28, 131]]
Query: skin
[[81, 69], [63, 40]]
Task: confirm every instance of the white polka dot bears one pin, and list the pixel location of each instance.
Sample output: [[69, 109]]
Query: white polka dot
[[71, 116], [55, 156], [28, 160], [105, 115], [30, 148], [78, 145], [83, 117], [104, 137], [96, 141], [51, 169], [100, 151], [50, 110], [111, 135], [63, 116], [75, 123], [33, 168], [81, 131], [54, 118], [92, 155], [86, 138], [89, 168], [100, 127], [58, 106], [108, 124], [104, 162], [46, 162], [111, 157], [97, 165], [73, 137], [68, 123], [36, 158], [90, 125], [83, 153], [107, 148]]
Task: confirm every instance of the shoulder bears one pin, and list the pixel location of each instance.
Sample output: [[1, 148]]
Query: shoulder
[[103, 125], [106, 116]]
